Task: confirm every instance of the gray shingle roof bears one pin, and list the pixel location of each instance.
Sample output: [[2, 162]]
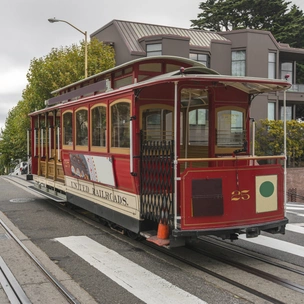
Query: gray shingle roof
[[132, 32]]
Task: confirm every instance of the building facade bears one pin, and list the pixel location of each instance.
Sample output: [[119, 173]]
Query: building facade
[[252, 53]]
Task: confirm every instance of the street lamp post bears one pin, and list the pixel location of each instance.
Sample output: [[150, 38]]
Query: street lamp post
[[52, 20], [285, 148]]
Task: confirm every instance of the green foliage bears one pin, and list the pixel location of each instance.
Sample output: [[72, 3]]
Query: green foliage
[[289, 28], [57, 69], [270, 138], [300, 72], [62, 67], [13, 146], [225, 15], [286, 24]]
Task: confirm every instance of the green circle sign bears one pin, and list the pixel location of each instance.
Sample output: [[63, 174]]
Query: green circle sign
[[267, 189]]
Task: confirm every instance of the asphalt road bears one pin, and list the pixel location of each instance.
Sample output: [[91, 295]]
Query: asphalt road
[[43, 222], [46, 224]]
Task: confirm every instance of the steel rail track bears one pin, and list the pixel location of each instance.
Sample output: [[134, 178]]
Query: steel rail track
[[206, 270], [218, 243], [51, 278], [214, 274], [10, 285], [249, 269]]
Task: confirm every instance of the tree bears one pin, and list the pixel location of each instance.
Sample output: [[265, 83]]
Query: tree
[[270, 139], [285, 24], [225, 15], [57, 69], [13, 146], [62, 67], [289, 28]]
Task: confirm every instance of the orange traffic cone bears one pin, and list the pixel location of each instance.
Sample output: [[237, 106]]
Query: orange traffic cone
[[163, 231], [162, 237]]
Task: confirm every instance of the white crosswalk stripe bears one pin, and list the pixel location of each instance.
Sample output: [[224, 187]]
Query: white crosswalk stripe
[[299, 228], [292, 208], [275, 244], [144, 284], [118, 268]]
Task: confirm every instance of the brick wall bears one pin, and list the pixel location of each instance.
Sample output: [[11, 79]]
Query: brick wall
[[295, 179]]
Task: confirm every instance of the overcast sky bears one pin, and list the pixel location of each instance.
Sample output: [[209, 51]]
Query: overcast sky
[[27, 34]]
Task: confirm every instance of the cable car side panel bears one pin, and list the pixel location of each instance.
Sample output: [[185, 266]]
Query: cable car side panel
[[231, 197]]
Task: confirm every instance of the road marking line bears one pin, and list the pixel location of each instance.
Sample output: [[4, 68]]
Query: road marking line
[[145, 285], [295, 228], [297, 224], [275, 244], [296, 213], [295, 208], [295, 204]]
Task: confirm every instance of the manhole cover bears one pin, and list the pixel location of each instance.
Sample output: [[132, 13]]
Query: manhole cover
[[21, 200]]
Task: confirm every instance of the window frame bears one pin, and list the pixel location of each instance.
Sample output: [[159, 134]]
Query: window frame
[[205, 62], [272, 110], [200, 125], [99, 148], [64, 145], [113, 149], [156, 106], [77, 146], [272, 65], [289, 112], [228, 150], [289, 72], [234, 63], [154, 52]]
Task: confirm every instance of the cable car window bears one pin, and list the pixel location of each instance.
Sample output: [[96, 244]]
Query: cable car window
[[151, 67], [42, 131], [98, 117], [120, 128], [67, 128], [82, 127], [195, 102], [230, 131], [123, 82], [198, 127], [158, 124]]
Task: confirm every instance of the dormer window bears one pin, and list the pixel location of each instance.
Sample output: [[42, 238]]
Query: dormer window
[[154, 49], [238, 63], [202, 58]]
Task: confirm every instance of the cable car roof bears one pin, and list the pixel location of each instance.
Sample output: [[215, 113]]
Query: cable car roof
[[196, 73], [102, 74], [249, 85]]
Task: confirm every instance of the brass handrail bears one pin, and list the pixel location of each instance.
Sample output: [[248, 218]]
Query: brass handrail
[[183, 160]]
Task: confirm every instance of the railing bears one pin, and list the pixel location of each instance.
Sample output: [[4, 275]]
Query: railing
[[297, 88], [156, 182], [232, 159], [292, 196], [229, 139]]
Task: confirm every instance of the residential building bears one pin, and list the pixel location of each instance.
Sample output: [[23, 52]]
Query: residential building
[[252, 53]]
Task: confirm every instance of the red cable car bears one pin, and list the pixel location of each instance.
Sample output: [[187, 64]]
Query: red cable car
[[161, 144]]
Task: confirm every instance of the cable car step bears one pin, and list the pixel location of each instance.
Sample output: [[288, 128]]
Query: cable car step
[[148, 234], [58, 199], [153, 237]]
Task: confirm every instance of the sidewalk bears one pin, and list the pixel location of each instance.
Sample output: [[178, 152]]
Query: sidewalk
[[24, 273]]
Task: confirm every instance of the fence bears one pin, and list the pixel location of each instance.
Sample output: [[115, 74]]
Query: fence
[[292, 196]]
